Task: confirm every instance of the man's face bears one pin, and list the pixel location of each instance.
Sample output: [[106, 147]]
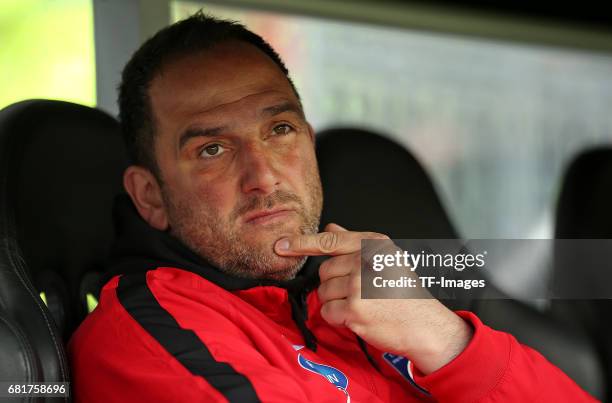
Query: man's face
[[236, 158]]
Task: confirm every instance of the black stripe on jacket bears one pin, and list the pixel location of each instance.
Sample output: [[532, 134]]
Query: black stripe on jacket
[[138, 300]]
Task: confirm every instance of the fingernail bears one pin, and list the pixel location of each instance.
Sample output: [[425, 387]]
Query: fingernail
[[282, 244]]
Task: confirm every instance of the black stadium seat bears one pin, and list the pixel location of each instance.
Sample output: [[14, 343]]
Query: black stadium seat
[[368, 181], [584, 211], [60, 167]]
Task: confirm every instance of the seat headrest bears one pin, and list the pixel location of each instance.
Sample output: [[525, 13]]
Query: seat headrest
[[60, 166], [583, 210], [371, 183]]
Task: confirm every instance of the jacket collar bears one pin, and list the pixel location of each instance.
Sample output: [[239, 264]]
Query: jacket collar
[[140, 247]]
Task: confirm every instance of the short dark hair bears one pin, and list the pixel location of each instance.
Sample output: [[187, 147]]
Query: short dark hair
[[192, 35]]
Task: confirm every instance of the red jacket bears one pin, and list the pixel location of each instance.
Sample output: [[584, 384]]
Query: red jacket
[[164, 334], [180, 338]]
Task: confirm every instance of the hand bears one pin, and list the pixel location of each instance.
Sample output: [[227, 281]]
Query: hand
[[422, 329]]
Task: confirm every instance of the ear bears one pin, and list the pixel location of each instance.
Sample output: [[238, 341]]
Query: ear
[[143, 188]]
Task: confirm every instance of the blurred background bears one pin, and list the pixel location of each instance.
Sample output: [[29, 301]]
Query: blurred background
[[493, 98]]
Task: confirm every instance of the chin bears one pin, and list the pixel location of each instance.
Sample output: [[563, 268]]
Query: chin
[[284, 268]]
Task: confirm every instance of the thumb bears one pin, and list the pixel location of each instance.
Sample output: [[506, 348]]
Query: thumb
[[332, 227]]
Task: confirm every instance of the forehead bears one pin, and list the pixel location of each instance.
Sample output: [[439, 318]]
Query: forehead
[[211, 79]]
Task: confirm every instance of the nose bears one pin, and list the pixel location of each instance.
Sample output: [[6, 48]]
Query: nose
[[258, 173]]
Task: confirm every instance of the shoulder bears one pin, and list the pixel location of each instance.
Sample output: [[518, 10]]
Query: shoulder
[[133, 306]]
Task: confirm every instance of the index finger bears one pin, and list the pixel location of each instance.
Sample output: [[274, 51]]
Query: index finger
[[324, 243]]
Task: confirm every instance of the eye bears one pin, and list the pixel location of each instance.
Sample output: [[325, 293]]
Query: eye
[[212, 150], [282, 129]]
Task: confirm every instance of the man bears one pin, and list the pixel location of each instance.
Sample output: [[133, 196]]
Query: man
[[210, 298]]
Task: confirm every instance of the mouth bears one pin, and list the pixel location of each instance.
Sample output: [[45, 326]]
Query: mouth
[[265, 216]]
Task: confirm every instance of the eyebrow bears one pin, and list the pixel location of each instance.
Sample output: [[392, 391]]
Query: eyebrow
[[199, 132], [269, 111], [286, 106]]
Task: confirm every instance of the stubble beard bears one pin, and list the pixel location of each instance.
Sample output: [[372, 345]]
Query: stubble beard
[[216, 240]]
